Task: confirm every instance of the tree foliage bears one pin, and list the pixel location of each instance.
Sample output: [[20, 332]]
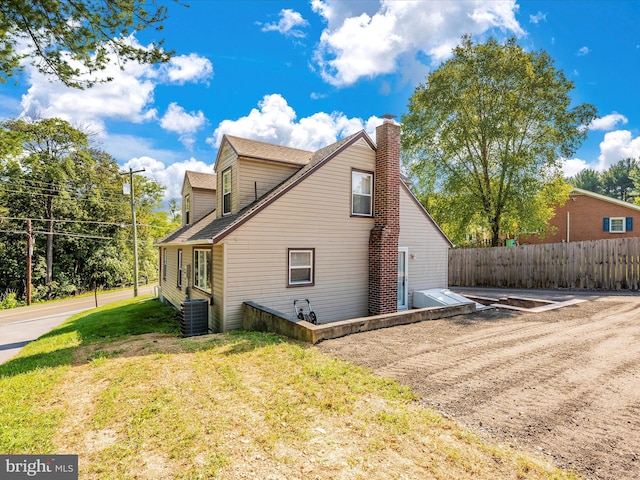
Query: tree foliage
[[621, 180], [484, 136], [587, 179], [81, 219], [72, 39]]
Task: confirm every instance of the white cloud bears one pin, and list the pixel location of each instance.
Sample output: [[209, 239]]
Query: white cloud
[[129, 96], [616, 146], [608, 122], [537, 18], [170, 177], [570, 167], [274, 121], [183, 123], [583, 51], [289, 20], [188, 68], [366, 44]]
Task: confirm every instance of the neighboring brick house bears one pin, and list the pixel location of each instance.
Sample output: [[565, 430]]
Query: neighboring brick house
[[591, 216], [337, 226]]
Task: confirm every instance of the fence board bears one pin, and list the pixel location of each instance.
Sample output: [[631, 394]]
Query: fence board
[[601, 264]]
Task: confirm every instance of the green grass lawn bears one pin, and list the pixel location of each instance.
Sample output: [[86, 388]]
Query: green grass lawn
[[118, 387]]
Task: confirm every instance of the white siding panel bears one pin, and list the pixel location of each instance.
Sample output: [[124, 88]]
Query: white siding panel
[[170, 291], [314, 214], [203, 202], [428, 250], [260, 176], [218, 289]]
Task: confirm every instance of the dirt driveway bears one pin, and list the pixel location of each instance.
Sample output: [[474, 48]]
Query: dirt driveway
[[565, 383]]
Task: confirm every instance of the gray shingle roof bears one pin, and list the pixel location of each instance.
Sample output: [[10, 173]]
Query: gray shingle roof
[[245, 147], [206, 181]]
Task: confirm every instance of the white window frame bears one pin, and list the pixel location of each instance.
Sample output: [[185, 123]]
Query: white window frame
[[623, 220], [310, 266], [202, 269], [179, 279], [226, 191], [356, 176]]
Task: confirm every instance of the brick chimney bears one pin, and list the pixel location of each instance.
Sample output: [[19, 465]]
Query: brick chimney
[[383, 239]]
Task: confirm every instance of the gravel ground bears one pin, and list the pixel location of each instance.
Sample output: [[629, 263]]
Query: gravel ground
[[563, 383]]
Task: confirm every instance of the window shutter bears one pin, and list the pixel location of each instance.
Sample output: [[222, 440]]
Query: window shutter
[[629, 224], [605, 224]]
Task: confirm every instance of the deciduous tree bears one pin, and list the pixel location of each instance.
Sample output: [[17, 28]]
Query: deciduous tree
[[485, 133]]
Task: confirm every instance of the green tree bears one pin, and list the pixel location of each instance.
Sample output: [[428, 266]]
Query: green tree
[[72, 39], [485, 133], [617, 180], [587, 179], [54, 150]]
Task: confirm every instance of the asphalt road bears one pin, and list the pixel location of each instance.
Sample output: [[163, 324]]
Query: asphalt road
[[19, 326]]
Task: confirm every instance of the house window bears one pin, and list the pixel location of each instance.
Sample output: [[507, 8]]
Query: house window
[[179, 280], [301, 267], [361, 193], [226, 192], [187, 209], [618, 224], [164, 264], [202, 269]]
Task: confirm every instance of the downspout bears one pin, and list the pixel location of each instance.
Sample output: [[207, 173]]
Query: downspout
[[568, 226]]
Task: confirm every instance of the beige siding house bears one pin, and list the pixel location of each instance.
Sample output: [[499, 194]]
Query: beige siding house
[[338, 227]]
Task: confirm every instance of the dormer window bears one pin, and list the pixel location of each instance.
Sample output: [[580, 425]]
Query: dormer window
[[187, 209], [226, 192]]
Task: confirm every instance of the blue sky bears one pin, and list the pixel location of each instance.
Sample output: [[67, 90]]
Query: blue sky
[[307, 73]]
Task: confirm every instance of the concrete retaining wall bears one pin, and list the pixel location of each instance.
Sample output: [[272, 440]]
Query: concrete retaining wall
[[263, 319]]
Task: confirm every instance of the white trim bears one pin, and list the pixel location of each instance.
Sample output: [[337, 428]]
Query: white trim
[[361, 194], [206, 270], [599, 196], [308, 266], [624, 224]]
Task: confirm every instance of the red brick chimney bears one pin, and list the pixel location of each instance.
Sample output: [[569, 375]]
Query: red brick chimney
[[383, 239]]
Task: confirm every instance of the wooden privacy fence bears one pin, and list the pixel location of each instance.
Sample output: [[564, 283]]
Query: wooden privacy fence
[[600, 264]]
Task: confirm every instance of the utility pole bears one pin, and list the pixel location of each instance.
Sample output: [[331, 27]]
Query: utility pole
[[29, 255], [135, 229]]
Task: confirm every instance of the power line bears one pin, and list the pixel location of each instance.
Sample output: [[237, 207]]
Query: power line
[[23, 232], [86, 199], [55, 188], [57, 220]]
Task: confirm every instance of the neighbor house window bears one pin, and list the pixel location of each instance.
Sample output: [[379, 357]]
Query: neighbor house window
[[618, 224], [179, 281], [187, 209], [226, 192], [202, 269], [301, 267], [164, 264], [361, 193]]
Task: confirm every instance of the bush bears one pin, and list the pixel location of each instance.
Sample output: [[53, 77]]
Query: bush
[[9, 300]]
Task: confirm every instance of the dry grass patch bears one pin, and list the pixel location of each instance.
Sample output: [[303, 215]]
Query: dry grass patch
[[256, 406]]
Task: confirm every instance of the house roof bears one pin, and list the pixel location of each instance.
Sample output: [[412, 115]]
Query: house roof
[[206, 181], [605, 198], [210, 230], [255, 149]]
